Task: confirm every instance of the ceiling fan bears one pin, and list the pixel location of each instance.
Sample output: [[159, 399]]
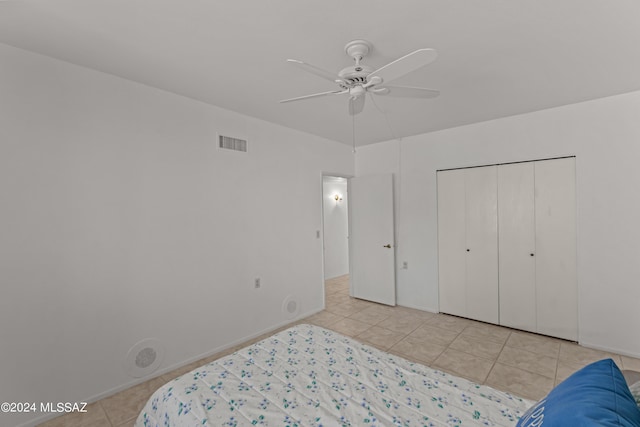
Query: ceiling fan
[[360, 79]]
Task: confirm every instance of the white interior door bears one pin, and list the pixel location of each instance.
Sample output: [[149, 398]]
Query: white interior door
[[481, 193], [516, 222], [452, 276], [371, 238], [556, 279]]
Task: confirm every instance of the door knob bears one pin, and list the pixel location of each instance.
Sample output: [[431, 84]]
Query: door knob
[[468, 250], [388, 246], [531, 254]]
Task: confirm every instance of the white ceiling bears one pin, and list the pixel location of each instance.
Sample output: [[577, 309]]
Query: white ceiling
[[496, 57]]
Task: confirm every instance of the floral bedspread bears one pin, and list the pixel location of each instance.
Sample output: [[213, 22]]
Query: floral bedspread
[[310, 376]]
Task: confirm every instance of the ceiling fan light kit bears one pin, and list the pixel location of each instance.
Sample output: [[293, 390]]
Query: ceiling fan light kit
[[359, 79]]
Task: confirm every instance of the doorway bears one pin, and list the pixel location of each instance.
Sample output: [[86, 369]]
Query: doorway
[[335, 220]]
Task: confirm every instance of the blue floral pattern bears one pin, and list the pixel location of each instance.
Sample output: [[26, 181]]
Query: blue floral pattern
[[310, 376]]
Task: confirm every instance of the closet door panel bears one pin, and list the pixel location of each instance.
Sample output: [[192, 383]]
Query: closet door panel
[[516, 241], [451, 242], [482, 243], [556, 280]]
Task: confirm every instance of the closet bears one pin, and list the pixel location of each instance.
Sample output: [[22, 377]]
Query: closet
[[507, 245]]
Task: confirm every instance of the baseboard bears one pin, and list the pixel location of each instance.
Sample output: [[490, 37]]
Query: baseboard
[[39, 420], [609, 349]]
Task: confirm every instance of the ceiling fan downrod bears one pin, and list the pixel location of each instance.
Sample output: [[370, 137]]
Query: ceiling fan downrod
[[358, 49]]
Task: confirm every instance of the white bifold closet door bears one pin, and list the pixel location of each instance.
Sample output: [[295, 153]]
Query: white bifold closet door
[[556, 276], [482, 243], [468, 243], [452, 243], [537, 247], [517, 243]]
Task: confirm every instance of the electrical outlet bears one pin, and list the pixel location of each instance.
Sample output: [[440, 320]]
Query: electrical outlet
[[256, 283], [405, 265]]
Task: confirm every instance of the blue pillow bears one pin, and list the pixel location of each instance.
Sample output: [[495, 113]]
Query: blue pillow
[[596, 395]]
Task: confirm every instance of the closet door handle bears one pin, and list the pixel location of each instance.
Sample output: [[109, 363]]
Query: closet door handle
[[468, 250], [531, 254]]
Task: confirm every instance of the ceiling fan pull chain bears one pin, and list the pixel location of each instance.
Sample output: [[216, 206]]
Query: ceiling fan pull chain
[[353, 132]]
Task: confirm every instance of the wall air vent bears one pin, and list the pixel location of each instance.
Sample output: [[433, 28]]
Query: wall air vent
[[230, 143]]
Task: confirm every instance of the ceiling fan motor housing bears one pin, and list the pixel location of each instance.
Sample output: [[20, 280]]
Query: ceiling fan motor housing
[[355, 75]]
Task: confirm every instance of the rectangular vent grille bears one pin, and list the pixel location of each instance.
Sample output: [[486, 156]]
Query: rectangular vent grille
[[230, 143]]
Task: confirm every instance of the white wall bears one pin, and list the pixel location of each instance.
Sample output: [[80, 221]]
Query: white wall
[[604, 134], [336, 227], [121, 220]]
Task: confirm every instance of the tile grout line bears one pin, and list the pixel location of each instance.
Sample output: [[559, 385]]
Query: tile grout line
[[496, 359], [105, 412]]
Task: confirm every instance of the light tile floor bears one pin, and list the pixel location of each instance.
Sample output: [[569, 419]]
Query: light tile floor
[[525, 364]]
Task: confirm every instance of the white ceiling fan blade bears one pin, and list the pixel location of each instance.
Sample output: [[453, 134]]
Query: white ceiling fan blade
[[356, 105], [406, 92], [315, 95], [404, 65], [315, 70]]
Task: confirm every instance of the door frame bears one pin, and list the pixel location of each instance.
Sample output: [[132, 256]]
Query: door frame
[[321, 231]]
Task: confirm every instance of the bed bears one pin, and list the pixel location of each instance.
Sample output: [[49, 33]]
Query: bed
[[310, 376]]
